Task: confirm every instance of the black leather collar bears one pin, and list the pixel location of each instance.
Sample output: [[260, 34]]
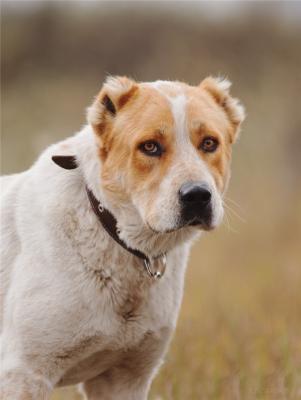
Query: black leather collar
[[109, 222]]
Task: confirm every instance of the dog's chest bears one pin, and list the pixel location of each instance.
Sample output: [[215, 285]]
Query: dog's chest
[[115, 283], [130, 303], [121, 304], [125, 322]]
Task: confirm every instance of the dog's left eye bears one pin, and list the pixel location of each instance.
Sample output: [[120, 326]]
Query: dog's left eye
[[151, 148], [209, 144]]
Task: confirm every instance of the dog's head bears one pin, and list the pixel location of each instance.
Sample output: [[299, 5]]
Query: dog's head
[[165, 150]]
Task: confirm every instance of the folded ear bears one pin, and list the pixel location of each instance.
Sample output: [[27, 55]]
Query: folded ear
[[115, 93], [218, 88]]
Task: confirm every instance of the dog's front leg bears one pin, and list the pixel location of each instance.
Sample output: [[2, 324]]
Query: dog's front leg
[[131, 378], [116, 386], [23, 384]]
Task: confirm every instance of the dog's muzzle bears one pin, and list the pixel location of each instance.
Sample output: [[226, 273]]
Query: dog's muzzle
[[196, 205]]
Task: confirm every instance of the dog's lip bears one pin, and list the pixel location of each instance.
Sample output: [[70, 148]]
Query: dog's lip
[[199, 224], [194, 223]]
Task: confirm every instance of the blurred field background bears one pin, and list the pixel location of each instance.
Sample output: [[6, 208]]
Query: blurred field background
[[239, 331]]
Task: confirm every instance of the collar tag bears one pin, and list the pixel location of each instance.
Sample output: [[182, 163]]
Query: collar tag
[[156, 266]]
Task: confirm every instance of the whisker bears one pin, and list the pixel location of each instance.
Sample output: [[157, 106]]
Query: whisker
[[235, 213], [233, 202], [228, 225]]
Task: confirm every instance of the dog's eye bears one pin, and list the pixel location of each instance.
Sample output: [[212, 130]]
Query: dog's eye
[[151, 148], [209, 144]]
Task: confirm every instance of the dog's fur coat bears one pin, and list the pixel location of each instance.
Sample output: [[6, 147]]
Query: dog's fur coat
[[77, 307]]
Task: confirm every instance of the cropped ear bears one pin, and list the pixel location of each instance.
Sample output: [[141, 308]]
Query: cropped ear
[[115, 93], [218, 88], [66, 162]]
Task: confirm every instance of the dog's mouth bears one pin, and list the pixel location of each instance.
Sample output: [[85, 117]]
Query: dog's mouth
[[198, 224]]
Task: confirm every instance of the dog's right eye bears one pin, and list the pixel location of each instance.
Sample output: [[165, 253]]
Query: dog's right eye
[[151, 148]]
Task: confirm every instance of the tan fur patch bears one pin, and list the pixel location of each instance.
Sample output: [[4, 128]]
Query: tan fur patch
[[155, 122], [127, 96], [219, 90], [206, 118]]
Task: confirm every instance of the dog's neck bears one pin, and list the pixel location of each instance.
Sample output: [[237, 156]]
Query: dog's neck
[[133, 231]]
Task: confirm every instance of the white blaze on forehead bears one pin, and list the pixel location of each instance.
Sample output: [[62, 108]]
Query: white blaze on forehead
[[178, 108], [161, 85], [186, 155], [178, 104]]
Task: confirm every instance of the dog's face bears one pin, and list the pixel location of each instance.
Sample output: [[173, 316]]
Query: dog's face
[[165, 149]]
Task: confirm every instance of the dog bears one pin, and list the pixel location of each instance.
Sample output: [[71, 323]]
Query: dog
[[96, 237]]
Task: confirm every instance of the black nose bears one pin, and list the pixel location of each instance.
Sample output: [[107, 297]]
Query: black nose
[[194, 193], [195, 198]]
